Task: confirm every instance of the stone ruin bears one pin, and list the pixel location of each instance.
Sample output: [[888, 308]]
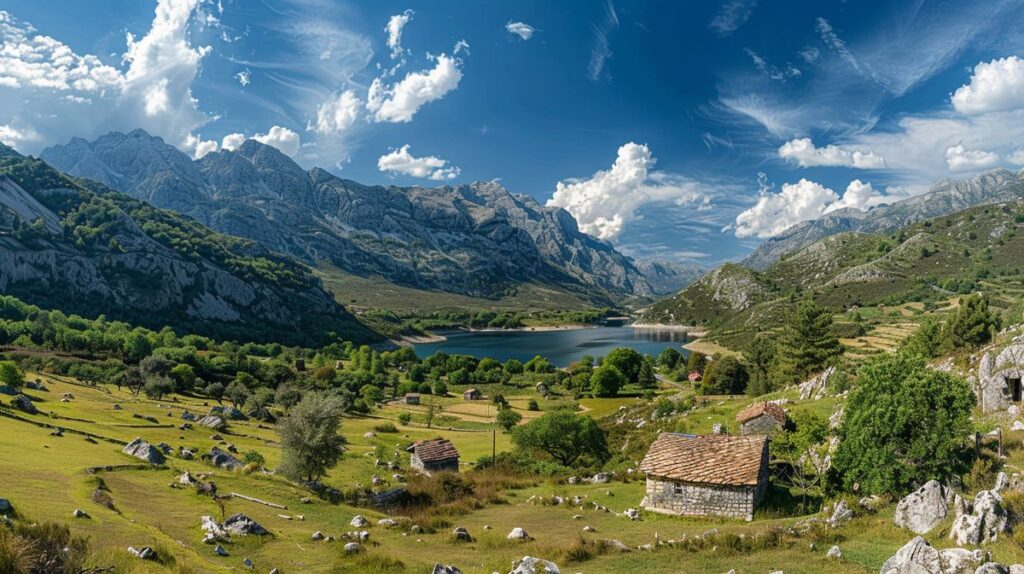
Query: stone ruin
[[998, 384]]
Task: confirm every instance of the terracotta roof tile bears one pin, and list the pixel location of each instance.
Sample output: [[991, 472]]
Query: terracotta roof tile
[[706, 459], [434, 450], [757, 409]]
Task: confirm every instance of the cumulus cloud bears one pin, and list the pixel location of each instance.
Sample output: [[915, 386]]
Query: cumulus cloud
[[995, 86], [394, 31], [284, 139], [44, 79], [521, 29], [231, 142], [400, 102], [337, 114], [801, 201], [13, 137], [959, 158], [199, 147], [804, 153], [607, 201], [1017, 157], [400, 161]]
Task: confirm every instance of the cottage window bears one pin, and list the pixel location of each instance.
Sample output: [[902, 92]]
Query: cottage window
[[677, 489]]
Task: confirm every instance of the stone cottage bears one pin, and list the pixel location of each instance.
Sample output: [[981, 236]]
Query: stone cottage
[[998, 384], [434, 455], [412, 398], [761, 418], [472, 395], [702, 475]]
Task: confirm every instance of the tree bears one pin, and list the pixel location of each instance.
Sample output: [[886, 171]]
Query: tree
[[646, 379], [214, 391], [564, 436], [606, 381], [507, 419], [807, 343], [258, 403], [904, 424], [440, 388], [760, 357], [627, 361], [157, 387], [371, 394], [287, 396], [460, 377], [804, 453], [310, 443], [538, 364], [697, 362], [973, 324], [184, 377], [237, 393], [927, 341], [131, 377], [404, 418], [11, 375], [532, 405], [725, 375], [514, 366], [669, 359]]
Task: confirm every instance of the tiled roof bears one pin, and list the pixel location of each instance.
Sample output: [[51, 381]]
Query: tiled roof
[[757, 409], [435, 449], [706, 459]]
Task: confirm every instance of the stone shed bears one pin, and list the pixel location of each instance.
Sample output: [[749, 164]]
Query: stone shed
[[998, 384], [434, 455], [761, 418], [703, 475], [472, 395], [412, 398]]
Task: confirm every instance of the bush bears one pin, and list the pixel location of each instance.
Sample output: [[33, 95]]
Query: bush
[[387, 427], [532, 405], [404, 418], [606, 381]]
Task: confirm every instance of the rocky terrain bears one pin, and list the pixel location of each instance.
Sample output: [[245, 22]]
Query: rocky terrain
[[476, 239], [92, 251], [946, 196]]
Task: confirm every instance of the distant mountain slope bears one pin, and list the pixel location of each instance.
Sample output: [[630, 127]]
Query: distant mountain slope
[[981, 247], [75, 245], [946, 196], [477, 239]]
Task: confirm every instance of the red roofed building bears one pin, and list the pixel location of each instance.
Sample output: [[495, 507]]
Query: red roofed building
[[703, 475], [434, 455], [695, 376]]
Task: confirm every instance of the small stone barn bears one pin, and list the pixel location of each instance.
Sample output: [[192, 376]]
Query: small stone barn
[[761, 418], [434, 455], [998, 384], [703, 475], [472, 395], [412, 398]]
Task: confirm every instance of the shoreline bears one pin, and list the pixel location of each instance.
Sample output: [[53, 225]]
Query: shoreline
[[695, 332], [440, 336]]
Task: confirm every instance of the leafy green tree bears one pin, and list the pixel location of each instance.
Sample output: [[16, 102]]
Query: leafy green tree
[[725, 375], [214, 391], [259, 403], [539, 364], [974, 323], [157, 387], [928, 341], [514, 366], [371, 394], [11, 375], [310, 443], [507, 419], [404, 418], [606, 381], [669, 359], [696, 362], [564, 436], [287, 396], [237, 393], [645, 378], [184, 377], [904, 424], [804, 452], [440, 388], [460, 377], [760, 357], [627, 361], [807, 343]]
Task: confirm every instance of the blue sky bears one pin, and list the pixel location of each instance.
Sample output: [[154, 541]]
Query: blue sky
[[686, 131]]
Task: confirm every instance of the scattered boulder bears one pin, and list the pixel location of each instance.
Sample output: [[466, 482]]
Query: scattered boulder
[[985, 524], [915, 557], [7, 390], [615, 545], [23, 403], [589, 529], [359, 522], [531, 565], [5, 506], [352, 548], [960, 560], [601, 478], [992, 568], [248, 564], [143, 450], [144, 553], [834, 553], [211, 528], [117, 407], [387, 522], [224, 459], [445, 569], [317, 536], [370, 434], [1017, 426], [922, 510], [220, 550], [462, 535], [841, 514], [518, 534], [211, 421], [79, 513], [242, 525], [632, 514]]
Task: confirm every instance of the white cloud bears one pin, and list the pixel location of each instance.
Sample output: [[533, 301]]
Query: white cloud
[[400, 102], [801, 201], [430, 167], [244, 78], [601, 49], [732, 15], [608, 200], [282, 138], [200, 147], [995, 86], [521, 29], [231, 142], [394, 30], [804, 153], [1017, 157], [959, 158], [337, 114], [13, 137]]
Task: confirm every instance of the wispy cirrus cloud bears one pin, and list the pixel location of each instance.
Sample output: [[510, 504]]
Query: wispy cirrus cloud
[[600, 51]]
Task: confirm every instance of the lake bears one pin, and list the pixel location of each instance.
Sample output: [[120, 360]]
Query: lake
[[560, 347]]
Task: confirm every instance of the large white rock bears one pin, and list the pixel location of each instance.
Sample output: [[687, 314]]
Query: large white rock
[[531, 565], [922, 510], [960, 560], [987, 522], [915, 557], [518, 534], [143, 450]]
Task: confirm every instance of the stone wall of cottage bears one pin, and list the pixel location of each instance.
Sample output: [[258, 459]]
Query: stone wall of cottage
[[764, 424], [450, 465], [701, 500]]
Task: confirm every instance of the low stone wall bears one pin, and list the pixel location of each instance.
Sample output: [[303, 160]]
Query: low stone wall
[[701, 500]]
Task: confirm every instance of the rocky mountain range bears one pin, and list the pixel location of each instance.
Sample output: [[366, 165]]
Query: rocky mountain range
[[476, 239], [946, 196], [80, 247]]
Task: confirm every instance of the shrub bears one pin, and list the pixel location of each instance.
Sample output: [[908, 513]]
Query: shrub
[[388, 427], [404, 418], [532, 405]]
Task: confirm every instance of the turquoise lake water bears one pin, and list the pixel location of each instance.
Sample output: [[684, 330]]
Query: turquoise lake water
[[560, 347]]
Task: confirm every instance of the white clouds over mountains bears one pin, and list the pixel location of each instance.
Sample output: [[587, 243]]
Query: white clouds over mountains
[[400, 161], [801, 201], [803, 152], [995, 86], [399, 102]]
